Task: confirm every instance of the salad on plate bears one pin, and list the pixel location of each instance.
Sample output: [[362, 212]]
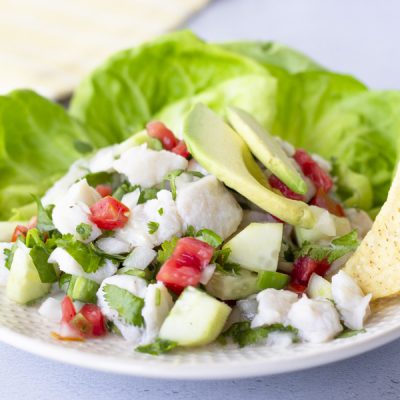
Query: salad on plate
[[230, 234]]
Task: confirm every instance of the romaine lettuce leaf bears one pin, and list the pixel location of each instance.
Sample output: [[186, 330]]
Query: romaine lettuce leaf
[[36, 147]]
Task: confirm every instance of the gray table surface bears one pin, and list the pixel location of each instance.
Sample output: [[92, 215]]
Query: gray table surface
[[354, 36]]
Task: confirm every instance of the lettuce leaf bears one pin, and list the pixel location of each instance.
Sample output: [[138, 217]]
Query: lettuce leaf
[[163, 79], [36, 146]]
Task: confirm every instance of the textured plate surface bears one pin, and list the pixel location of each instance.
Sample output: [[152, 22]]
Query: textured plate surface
[[24, 328]]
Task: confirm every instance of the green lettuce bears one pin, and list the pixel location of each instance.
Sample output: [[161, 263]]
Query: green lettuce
[[163, 79], [36, 148]]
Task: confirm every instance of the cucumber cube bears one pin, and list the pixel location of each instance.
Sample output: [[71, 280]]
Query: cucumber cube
[[272, 280], [257, 247], [196, 319]]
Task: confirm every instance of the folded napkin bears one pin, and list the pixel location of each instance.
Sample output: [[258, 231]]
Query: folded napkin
[[49, 45]]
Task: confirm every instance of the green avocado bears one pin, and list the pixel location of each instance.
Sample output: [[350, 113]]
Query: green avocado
[[266, 148], [222, 152]]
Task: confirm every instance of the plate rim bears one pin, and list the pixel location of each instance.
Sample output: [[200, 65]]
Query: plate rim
[[206, 371]]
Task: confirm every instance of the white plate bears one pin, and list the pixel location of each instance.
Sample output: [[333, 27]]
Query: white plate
[[24, 328]]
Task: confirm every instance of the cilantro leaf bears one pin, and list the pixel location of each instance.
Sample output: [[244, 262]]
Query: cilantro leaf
[[210, 237], [171, 177], [336, 249], [128, 306], [46, 271], [84, 230], [104, 178], [349, 333], [160, 211], [33, 237], [220, 259], [9, 254], [242, 334], [190, 231], [166, 250], [44, 220], [147, 194], [123, 189], [82, 147], [84, 255], [158, 347], [103, 254], [153, 227]]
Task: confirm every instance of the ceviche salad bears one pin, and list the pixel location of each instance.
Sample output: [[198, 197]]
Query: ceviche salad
[[185, 221]]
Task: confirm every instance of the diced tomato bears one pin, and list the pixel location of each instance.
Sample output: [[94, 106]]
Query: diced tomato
[[304, 267], [104, 190], [276, 183], [296, 287], [185, 265], [177, 277], [20, 230], [67, 309], [158, 130], [181, 149], [323, 200], [109, 213], [81, 325], [312, 170], [93, 314]]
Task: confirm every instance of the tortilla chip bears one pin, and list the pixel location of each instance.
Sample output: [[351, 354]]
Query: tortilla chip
[[376, 263]]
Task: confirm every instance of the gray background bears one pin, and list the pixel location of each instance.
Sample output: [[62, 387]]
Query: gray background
[[354, 36]]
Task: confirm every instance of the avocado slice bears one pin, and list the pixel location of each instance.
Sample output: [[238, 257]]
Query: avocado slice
[[265, 147], [222, 152]]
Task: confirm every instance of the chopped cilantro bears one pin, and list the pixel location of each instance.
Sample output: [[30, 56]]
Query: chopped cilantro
[[336, 249], [210, 237], [46, 271], [166, 250], [123, 190], [242, 334], [84, 255], [171, 177], [104, 178], [161, 211], [190, 231], [9, 254], [82, 147], [33, 237], [103, 254], [84, 230], [128, 306], [158, 347], [220, 259], [153, 227], [147, 194], [349, 333], [44, 221]]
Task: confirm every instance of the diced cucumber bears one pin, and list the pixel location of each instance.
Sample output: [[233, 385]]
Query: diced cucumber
[[319, 287], [7, 229], [327, 227], [257, 247], [233, 287], [196, 319], [83, 289], [24, 284], [272, 280]]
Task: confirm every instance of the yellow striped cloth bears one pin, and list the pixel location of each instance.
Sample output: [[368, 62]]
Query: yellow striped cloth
[[49, 45]]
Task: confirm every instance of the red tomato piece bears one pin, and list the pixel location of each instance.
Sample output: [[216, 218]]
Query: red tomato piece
[[104, 190], [20, 230], [276, 183], [297, 288], [67, 309], [185, 265], [323, 200], [109, 213], [181, 149], [158, 130], [312, 170], [304, 267], [93, 314]]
